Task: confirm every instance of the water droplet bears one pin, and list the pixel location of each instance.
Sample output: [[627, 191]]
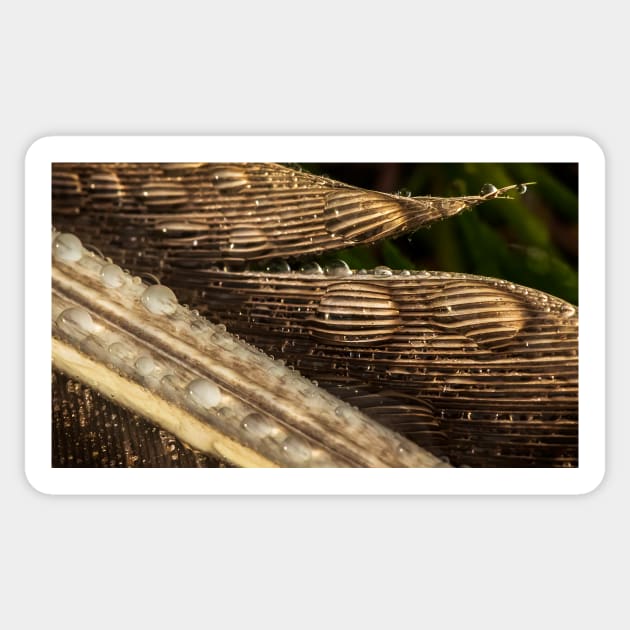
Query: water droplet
[[404, 192], [357, 215], [163, 194], [121, 352], [297, 450], [159, 299], [567, 311], [105, 189], [67, 247], [487, 189], [76, 321], [246, 241], [338, 268], [405, 272], [311, 267], [257, 426], [204, 393], [278, 266], [383, 271], [521, 189], [112, 276], [145, 365], [355, 312], [228, 179]]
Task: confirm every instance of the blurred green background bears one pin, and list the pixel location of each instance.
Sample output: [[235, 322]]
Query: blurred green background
[[530, 239]]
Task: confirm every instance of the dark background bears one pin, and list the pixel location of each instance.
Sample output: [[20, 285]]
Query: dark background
[[530, 239]]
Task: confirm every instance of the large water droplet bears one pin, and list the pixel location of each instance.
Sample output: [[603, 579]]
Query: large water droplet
[[204, 393], [67, 247], [521, 189], [353, 215], [257, 426], [338, 268], [297, 450], [278, 266], [76, 322], [144, 365], [229, 179], [159, 300], [112, 276], [355, 312], [487, 189], [105, 189], [163, 194], [248, 241], [311, 267]]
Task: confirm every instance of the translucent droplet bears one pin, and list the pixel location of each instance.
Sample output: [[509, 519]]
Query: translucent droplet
[[112, 276], [567, 311], [105, 189], [487, 189], [144, 365], [163, 194], [297, 450], [204, 393], [159, 299], [246, 241], [383, 271], [311, 267], [278, 266], [76, 321], [521, 189], [67, 247], [121, 352], [404, 192], [338, 268], [257, 426], [355, 312], [229, 179], [405, 272]]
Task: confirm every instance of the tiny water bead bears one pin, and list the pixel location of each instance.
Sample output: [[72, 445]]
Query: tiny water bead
[[144, 365], [76, 321], [229, 179], [487, 189], [112, 276], [67, 248], [159, 299], [278, 266], [521, 189], [204, 393]]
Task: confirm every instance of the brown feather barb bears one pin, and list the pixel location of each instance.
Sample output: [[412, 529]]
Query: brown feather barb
[[473, 369]]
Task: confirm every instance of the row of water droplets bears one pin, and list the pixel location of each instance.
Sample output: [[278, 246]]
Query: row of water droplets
[[78, 324]]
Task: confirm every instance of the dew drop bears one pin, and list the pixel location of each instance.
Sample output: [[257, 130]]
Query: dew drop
[[204, 393], [278, 266], [311, 267], [112, 276], [382, 271], [67, 247], [228, 179], [405, 272], [76, 320], [257, 426], [159, 299], [297, 450], [145, 365], [121, 352], [246, 241], [338, 268], [567, 311], [404, 192], [487, 189]]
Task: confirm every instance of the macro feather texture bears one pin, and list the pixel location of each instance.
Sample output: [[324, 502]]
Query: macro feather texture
[[476, 370]]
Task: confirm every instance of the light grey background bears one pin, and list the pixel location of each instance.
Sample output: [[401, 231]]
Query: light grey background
[[193, 68]]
